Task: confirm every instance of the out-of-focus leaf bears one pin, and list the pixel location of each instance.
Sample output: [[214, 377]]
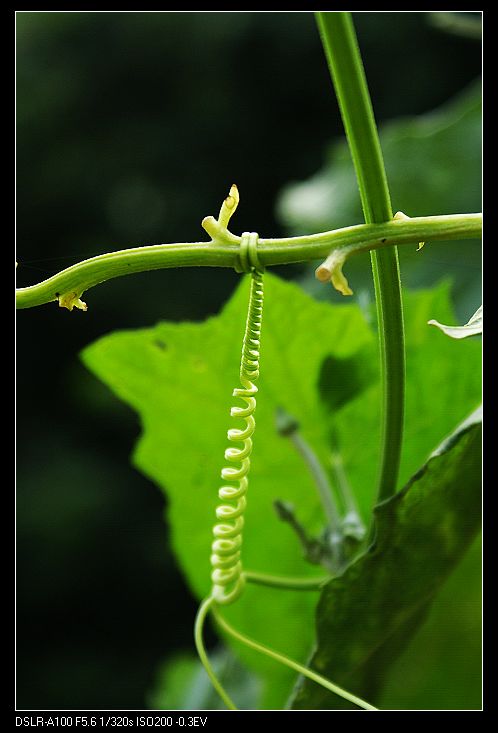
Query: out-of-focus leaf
[[433, 165], [460, 23], [366, 617], [183, 684], [471, 328]]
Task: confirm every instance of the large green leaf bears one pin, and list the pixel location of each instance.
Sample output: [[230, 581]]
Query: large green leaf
[[179, 378], [367, 616]]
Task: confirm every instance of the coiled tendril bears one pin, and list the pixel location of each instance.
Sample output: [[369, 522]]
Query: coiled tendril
[[227, 577]]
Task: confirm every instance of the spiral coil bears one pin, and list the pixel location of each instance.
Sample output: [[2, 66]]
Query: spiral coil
[[227, 577]]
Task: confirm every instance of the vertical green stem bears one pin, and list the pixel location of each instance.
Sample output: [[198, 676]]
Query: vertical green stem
[[344, 60]]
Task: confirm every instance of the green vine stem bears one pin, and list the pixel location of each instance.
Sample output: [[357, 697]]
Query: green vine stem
[[344, 60], [68, 285]]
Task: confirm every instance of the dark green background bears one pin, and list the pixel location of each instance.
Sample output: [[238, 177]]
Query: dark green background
[[130, 129]]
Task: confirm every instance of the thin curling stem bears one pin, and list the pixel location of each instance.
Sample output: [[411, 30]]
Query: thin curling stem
[[227, 576], [200, 619], [301, 669]]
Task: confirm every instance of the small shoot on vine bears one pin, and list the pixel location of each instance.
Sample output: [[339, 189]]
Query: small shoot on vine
[[342, 534], [316, 551], [218, 228], [330, 270]]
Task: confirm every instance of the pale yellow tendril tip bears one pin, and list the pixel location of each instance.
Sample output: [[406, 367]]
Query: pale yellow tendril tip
[[229, 207], [339, 281]]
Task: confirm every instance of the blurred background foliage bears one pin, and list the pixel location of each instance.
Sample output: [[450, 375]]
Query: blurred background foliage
[[130, 129]]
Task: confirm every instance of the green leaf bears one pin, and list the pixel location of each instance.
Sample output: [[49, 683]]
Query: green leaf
[[367, 616], [471, 328], [343, 379], [183, 684], [179, 377]]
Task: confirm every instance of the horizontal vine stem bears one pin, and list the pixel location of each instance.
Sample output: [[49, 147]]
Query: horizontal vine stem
[[223, 251]]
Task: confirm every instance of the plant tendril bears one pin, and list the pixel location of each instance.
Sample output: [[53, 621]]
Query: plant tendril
[[227, 577]]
